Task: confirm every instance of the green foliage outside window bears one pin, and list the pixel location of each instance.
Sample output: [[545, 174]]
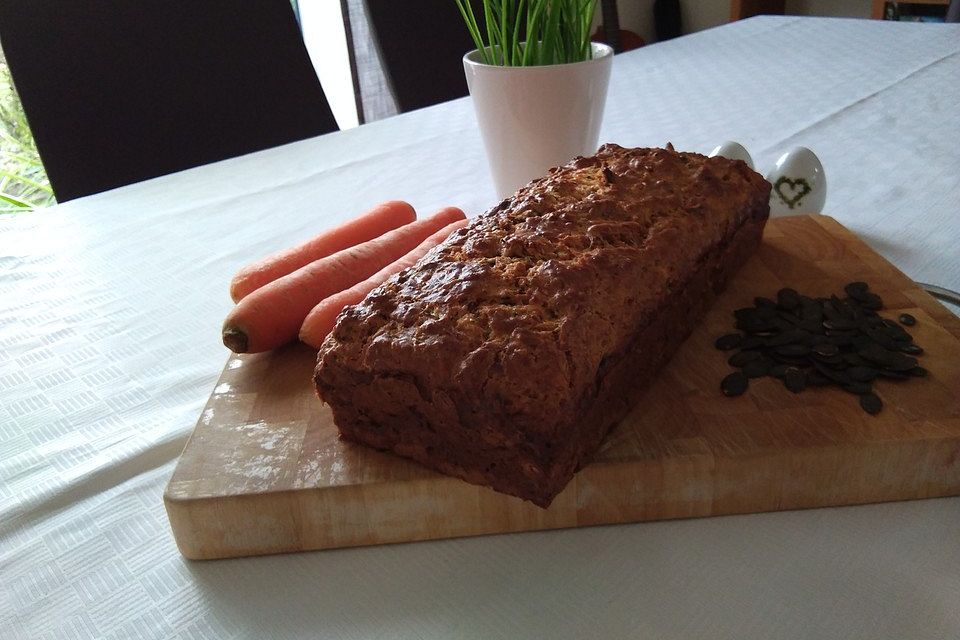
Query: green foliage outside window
[[23, 182]]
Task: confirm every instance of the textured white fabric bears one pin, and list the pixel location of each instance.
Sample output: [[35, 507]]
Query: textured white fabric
[[110, 310]]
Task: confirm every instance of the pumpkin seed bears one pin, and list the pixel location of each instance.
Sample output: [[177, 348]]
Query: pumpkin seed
[[743, 357], [756, 368], [734, 384], [861, 374], [854, 289], [728, 342], [871, 403], [792, 350], [795, 380], [858, 388], [809, 342], [778, 370], [826, 350], [788, 299]]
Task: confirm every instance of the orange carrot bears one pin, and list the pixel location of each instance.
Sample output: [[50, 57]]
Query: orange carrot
[[319, 322], [384, 217], [272, 315]]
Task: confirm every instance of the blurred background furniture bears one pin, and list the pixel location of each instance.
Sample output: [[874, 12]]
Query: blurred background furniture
[[118, 92], [740, 9], [402, 61], [900, 10], [421, 56], [879, 8]]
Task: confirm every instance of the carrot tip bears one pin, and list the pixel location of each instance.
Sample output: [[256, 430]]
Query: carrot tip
[[235, 340]]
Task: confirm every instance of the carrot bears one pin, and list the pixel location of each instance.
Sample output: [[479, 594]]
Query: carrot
[[272, 315], [319, 322], [384, 217]]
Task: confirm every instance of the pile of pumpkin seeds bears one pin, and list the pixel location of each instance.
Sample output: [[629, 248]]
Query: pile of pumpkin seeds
[[815, 342]]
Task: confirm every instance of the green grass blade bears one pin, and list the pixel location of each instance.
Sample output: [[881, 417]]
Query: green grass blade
[[587, 12], [490, 19], [517, 51], [471, 21], [27, 181], [564, 33], [551, 34], [531, 51], [6, 137], [21, 159], [556, 31], [15, 201], [506, 47]]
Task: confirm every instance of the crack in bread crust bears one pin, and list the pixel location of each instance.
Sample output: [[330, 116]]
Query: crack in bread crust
[[489, 358]]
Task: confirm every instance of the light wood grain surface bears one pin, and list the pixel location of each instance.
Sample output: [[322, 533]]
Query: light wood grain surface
[[264, 471]]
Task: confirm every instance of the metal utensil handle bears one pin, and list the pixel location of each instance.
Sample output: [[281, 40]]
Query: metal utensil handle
[[941, 293]]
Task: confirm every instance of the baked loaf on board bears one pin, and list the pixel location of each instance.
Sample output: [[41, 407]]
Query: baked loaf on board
[[507, 353]]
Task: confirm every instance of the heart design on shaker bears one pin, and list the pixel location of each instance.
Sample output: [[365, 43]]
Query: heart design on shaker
[[795, 190]]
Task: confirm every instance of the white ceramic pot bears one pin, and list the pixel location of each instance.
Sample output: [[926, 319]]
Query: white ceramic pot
[[534, 118]]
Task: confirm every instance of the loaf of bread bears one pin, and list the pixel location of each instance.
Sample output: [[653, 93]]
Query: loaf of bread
[[507, 353]]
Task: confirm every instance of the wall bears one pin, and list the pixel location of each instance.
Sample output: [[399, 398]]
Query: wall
[[698, 15]]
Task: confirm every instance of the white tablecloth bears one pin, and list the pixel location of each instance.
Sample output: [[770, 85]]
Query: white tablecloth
[[110, 311]]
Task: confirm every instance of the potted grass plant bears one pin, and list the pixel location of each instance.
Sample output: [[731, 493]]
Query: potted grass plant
[[537, 82]]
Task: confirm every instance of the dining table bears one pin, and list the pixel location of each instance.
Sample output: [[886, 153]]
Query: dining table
[[110, 313]]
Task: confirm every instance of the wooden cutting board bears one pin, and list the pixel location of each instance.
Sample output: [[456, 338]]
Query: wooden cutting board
[[265, 472]]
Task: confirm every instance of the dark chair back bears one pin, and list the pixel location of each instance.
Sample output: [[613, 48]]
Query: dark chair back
[[118, 91], [953, 11], [421, 47]]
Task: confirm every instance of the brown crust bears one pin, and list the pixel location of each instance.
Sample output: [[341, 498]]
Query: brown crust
[[505, 354]]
